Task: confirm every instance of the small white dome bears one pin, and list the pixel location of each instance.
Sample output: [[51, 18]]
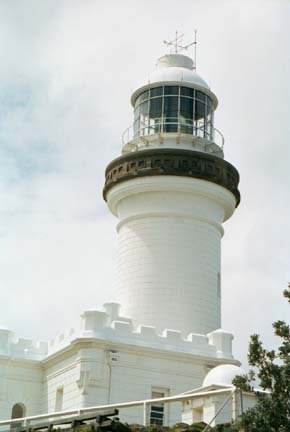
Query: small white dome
[[174, 69], [222, 375], [178, 60]]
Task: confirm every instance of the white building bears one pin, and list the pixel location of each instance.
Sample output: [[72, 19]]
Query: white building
[[171, 190]]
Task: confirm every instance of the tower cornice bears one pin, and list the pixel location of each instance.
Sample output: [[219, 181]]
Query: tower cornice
[[176, 162]]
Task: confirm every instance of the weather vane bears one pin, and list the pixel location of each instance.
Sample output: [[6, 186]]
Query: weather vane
[[176, 45]]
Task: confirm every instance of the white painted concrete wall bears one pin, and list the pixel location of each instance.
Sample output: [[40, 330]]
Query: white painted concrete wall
[[61, 373], [125, 375], [206, 408], [168, 266], [21, 381], [105, 361]]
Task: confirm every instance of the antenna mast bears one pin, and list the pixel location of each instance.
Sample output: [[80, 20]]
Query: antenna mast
[[195, 43], [176, 47], [175, 43]]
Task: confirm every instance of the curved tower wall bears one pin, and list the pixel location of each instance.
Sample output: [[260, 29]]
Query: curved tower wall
[[171, 193], [168, 267]]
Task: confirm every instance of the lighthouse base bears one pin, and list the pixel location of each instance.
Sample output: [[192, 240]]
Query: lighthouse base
[[107, 361]]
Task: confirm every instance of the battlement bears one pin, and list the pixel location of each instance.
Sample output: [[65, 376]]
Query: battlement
[[107, 325], [11, 346]]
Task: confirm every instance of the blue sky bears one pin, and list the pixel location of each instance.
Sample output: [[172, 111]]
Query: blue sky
[[67, 72]]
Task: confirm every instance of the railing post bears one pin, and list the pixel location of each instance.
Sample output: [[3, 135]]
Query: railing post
[[144, 413], [26, 423]]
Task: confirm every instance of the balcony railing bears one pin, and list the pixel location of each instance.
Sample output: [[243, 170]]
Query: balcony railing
[[173, 125]]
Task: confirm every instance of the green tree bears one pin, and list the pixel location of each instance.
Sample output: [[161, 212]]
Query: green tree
[[272, 368]]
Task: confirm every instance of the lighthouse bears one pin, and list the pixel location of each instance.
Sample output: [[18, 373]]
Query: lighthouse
[[171, 190]]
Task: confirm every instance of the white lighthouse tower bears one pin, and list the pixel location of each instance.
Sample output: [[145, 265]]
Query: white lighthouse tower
[[171, 190]]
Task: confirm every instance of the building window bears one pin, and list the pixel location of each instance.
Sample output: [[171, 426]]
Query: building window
[[157, 411], [59, 399], [18, 411]]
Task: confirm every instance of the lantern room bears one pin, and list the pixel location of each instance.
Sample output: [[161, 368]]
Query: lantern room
[[172, 108], [174, 104]]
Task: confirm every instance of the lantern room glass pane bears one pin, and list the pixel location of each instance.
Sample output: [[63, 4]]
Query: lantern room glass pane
[[170, 113], [144, 108], [136, 121], [200, 113], [199, 110], [136, 128], [143, 96], [155, 108], [171, 90], [171, 106], [155, 115], [186, 108], [137, 101], [209, 103], [137, 113], [185, 91], [200, 96], [157, 91], [186, 115], [144, 118], [208, 110]]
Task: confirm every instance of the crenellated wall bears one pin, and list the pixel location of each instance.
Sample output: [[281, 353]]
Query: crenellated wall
[[108, 325], [11, 345], [105, 361]]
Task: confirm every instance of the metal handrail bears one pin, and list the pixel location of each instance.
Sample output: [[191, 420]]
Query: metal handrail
[[145, 403], [162, 125]]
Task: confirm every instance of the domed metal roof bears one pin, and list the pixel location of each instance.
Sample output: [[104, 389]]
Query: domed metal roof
[[179, 68], [175, 69], [222, 375]]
